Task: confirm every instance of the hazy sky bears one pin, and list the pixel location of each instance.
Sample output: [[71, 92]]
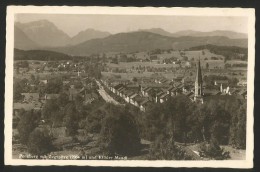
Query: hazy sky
[[74, 23]]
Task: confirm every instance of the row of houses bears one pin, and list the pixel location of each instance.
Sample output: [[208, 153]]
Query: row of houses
[[141, 97]]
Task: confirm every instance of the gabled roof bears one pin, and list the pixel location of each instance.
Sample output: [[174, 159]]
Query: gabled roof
[[146, 88], [121, 90], [211, 92], [170, 88], [118, 86], [133, 95], [164, 95], [130, 93], [159, 94], [188, 93], [138, 99], [242, 92], [174, 89], [145, 101], [51, 96]]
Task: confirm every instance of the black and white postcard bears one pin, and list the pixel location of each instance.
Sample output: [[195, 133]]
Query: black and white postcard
[[128, 86]]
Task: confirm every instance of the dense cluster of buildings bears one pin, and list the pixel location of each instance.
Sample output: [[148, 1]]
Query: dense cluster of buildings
[[72, 87], [160, 89]]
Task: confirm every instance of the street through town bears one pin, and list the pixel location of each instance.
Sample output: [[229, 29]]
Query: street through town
[[105, 95]]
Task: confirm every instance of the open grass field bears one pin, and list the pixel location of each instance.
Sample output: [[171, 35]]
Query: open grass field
[[128, 76], [129, 65]]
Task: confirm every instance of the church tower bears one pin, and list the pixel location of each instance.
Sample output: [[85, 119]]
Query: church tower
[[198, 96]]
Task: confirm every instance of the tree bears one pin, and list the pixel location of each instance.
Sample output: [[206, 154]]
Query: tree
[[28, 122], [54, 86], [18, 89], [49, 108], [63, 99], [71, 119], [213, 151], [134, 79], [207, 65], [238, 127], [164, 148], [39, 142], [119, 133]]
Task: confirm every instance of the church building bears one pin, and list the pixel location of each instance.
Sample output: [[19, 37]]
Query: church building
[[198, 95]]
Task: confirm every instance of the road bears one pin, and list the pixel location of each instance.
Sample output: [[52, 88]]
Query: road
[[105, 95]]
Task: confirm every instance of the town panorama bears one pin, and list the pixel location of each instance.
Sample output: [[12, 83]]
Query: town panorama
[[132, 94]]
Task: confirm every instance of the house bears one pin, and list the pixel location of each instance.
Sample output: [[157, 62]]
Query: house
[[169, 89], [29, 97], [66, 82], [131, 98], [243, 93], [158, 95], [128, 95], [144, 104], [73, 92], [44, 81], [177, 79], [211, 92], [137, 100], [219, 82], [27, 106], [186, 64], [191, 96], [119, 90], [160, 80], [145, 92], [242, 83], [116, 87], [188, 93], [233, 91], [89, 98], [174, 91], [51, 96], [164, 97]]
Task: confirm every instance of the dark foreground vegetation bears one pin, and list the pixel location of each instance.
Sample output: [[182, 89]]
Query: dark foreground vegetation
[[219, 121]]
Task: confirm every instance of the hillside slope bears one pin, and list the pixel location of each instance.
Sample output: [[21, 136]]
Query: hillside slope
[[42, 55], [21, 40]]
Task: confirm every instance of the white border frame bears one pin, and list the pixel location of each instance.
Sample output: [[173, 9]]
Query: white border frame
[[250, 13]]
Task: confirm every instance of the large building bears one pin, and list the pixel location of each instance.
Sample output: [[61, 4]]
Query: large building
[[198, 96]]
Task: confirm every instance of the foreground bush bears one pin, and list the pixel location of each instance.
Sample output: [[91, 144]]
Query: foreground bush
[[213, 151], [164, 148], [39, 142], [119, 134]]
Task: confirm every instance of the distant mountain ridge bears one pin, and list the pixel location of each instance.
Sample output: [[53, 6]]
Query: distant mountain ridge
[[86, 35], [226, 33], [22, 41], [45, 34], [145, 41]]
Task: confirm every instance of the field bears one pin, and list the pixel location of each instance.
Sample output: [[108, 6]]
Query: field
[[129, 65]]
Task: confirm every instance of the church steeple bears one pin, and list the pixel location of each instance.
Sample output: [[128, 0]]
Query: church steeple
[[198, 84]]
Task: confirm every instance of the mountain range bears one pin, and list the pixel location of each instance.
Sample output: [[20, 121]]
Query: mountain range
[[226, 33], [145, 41], [45, 35]]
